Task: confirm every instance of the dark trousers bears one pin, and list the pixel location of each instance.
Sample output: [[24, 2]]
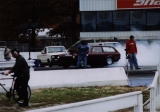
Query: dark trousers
[[20, 85], [80, 59], [133, 60]]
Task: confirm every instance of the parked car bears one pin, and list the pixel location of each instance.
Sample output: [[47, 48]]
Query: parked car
[[50, 54], [98, 55]]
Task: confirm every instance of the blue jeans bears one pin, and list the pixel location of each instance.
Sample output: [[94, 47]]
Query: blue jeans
[[133, 60], [80, 59]]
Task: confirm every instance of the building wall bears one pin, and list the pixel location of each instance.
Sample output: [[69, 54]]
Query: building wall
[[110, 5]]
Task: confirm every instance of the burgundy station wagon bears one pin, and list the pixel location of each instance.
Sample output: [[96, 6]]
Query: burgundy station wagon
[[98, 55]]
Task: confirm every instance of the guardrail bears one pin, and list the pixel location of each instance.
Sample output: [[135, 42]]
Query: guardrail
[[10, 64], [154, 89], [112, 103], [23, 47]]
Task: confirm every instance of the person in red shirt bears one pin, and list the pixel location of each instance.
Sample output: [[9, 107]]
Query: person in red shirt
[[131, 50]]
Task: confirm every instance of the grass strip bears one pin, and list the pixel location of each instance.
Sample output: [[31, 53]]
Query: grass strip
[[57, 96]]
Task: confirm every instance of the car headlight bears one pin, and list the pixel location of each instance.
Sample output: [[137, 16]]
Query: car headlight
[[58, 57], [52, 56], [73, 56]]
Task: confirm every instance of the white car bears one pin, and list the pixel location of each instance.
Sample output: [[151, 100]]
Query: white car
[[50, 55]]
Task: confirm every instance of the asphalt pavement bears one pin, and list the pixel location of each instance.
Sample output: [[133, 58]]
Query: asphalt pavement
[[143, 70]]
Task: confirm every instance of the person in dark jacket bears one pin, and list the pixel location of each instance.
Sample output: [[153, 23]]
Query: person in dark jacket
[[82, 54], [21, 71], [131, 50]]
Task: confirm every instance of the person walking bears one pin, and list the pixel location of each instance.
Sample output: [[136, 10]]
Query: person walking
[[7, 54], [82, 54], [131, 50], [21, 71]]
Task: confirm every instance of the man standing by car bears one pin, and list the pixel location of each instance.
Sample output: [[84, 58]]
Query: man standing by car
[[82, 54], [131, 50], [7, 54], [21, 71]]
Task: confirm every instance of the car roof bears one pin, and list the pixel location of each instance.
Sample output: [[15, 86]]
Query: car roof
[[102, 42], [113, 44], [101, 46]]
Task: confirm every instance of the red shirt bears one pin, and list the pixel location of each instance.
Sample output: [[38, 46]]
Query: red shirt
[[131, 46]]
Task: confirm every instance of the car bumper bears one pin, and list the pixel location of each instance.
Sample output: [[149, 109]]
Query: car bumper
[[55, 62]]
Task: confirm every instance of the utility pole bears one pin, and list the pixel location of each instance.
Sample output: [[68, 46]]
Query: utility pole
[[30, 29]]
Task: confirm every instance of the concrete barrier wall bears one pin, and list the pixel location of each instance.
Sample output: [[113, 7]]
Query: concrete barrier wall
[[10, 64], [77, 78]]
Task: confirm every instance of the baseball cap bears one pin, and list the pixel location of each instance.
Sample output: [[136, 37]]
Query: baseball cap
[[131, 37]]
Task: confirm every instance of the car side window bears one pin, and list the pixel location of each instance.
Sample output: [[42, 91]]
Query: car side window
[[108, 49], [97, 49]]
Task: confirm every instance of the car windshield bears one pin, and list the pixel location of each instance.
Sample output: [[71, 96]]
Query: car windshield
[[56, 49]]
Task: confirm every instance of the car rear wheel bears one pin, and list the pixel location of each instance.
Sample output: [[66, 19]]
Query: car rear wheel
[[109, 61], [41, 65], [48, 61], [50, 65]]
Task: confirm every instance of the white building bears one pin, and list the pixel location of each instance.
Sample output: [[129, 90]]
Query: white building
[[106, 19]]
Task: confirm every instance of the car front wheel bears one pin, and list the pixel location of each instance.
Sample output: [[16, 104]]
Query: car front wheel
[[93, 65], [109, 61], [65, 66], [50, 65]]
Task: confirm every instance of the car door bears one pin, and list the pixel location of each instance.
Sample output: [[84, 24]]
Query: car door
[[43, 57], [96, 56], [110, 52]]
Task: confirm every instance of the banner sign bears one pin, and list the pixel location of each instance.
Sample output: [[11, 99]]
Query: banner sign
[[137, 4]]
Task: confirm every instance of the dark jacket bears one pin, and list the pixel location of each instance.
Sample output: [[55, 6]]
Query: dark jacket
[[21, 67], [83, 49]]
